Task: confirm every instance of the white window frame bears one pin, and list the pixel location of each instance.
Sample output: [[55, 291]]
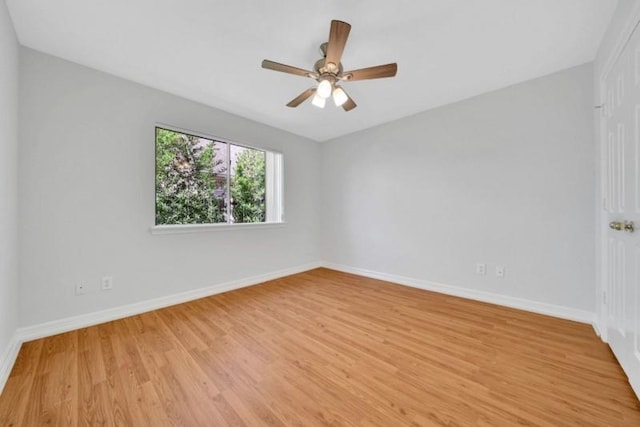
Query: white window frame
[[274, 191]]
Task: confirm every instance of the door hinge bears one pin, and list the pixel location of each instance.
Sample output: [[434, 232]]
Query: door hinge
[[604, 297]]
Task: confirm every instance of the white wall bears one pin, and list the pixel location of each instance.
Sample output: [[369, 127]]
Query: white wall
[[503, 178], [87, 194], [8, 181]]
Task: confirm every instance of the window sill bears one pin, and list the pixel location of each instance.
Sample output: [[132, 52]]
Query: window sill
[[198, 228]]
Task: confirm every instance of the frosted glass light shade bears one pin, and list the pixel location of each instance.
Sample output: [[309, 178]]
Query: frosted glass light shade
[[324, 89], [339, 97], [318, 101]]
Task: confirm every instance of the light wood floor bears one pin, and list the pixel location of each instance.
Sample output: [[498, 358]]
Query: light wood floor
[[322, 348]]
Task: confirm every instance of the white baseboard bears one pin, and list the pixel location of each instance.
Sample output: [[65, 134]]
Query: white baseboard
[[84, 320], [635, 388], [54, 327], [8, 359], [598, 330], [508, 301], [76, 322]]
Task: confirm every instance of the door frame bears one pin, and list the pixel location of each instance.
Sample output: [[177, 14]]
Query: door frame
[[624, 35]]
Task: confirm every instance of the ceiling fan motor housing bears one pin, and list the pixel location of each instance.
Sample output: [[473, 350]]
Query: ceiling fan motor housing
[[322, 70]]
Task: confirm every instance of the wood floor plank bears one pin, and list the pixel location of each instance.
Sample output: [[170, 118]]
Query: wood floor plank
[[322, 348]]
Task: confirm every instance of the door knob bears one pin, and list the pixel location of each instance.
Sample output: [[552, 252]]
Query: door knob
[[619, 226], [616, 225]]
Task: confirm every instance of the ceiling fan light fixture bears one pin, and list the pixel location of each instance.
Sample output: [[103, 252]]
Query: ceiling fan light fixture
[[328, 71], [324, 88], [339, 96], [319, 101]]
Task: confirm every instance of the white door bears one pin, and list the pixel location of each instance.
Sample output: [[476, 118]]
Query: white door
[[621, 246]]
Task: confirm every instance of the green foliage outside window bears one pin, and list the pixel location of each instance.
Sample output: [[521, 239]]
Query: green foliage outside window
[[191, 181], [248, 187]]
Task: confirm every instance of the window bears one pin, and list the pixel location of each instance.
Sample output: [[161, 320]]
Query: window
[[203, 180]]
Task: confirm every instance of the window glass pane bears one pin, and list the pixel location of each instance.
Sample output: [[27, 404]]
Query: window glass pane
[[190, 179], [200, 180], [247, 182]]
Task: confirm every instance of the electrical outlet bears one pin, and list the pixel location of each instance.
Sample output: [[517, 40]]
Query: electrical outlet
[[481, 269], [81, 288], [500, 270], [107, 283]]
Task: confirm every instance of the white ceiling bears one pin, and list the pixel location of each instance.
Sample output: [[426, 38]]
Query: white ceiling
[[210, 51]]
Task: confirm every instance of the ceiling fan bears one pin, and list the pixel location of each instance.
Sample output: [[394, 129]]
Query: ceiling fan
[[328, 72]]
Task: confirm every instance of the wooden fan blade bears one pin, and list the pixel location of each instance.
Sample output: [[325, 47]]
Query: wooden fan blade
[[301, 98], [378, 72], [349, 104], [276, 66], [337, 40]]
